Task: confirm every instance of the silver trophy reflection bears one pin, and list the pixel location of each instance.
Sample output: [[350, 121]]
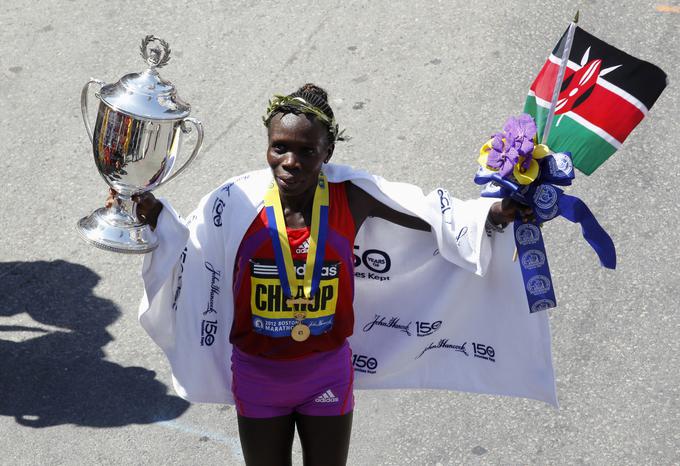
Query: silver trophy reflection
[[136, 140]]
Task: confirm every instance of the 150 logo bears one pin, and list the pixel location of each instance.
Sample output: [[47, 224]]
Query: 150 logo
[[377, 262], [484, 351], [424, 329], [208, 331], [365, 364], [374, 260]]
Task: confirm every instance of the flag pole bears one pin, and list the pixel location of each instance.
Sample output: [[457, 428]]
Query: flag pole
[[569, 40]]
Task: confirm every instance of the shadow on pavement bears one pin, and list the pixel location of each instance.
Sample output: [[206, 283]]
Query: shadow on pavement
[[52, 367]]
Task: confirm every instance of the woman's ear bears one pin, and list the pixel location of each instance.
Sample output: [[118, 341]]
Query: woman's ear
[[331, 148]]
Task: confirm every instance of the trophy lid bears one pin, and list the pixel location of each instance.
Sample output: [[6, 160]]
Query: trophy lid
[[146, 95]]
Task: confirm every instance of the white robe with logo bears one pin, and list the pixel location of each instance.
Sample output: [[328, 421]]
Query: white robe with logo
[[447, 307]]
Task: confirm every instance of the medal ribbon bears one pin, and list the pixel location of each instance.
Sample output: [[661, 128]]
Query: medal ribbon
[[317, 240], [547, 201]]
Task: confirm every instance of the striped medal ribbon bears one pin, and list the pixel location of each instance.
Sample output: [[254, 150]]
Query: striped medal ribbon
[[299, 291]]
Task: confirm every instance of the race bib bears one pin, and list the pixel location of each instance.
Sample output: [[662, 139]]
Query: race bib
[[273, 317]]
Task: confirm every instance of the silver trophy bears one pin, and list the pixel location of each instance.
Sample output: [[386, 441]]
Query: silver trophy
[[136, 140]]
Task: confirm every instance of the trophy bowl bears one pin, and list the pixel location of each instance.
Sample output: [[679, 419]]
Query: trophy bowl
[[136, 140]]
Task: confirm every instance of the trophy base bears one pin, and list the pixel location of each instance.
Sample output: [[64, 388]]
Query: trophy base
[[114, 230]]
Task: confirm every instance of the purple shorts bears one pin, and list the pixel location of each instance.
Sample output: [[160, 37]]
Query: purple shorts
[[317, 385]]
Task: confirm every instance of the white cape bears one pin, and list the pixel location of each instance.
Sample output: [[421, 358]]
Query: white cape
[[432, 309]]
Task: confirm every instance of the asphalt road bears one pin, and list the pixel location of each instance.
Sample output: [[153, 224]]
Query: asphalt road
[[419, 85]]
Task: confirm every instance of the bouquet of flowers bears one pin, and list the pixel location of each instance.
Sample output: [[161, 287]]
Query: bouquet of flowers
[[599, 94], [513, 165]]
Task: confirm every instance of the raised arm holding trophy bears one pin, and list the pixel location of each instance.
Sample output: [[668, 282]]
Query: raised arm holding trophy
[[136, 141]]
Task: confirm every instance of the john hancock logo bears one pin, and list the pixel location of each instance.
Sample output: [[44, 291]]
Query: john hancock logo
[[215, 276], [392, 322], [479, 350], [444, 344]]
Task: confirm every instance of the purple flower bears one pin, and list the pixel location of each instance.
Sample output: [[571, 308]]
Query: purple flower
[[515, 142], [521, 132], [522, 127], [503, 156]]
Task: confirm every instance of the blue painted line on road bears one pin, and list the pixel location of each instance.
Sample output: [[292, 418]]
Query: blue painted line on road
[[232, 443]]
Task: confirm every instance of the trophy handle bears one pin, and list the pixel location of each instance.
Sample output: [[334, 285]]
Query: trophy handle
[[83, 104], [197, 148]]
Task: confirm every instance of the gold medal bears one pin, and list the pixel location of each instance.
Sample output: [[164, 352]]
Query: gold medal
[[300, 332]]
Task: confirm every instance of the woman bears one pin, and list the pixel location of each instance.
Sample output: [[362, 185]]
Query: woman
[[292, 285]]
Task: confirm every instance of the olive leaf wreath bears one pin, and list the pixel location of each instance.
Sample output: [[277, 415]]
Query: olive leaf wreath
[[305, 107]]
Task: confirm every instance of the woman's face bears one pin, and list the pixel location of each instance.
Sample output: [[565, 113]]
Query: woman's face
[[298, 147]]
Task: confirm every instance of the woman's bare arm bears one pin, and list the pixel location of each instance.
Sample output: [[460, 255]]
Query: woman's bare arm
[[363, 205]]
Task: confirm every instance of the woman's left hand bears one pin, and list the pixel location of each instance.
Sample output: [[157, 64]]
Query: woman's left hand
[[505, 211]]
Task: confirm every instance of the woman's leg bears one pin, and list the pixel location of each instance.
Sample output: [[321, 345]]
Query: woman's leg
[[324, 439], [267, 441]]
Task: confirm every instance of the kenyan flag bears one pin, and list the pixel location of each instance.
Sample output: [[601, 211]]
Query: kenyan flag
[[605, 94]]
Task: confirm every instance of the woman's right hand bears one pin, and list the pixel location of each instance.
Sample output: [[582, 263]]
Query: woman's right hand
[[148, 207]]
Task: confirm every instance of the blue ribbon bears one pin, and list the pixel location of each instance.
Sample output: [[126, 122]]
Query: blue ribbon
[[547, 201], [534, 265]]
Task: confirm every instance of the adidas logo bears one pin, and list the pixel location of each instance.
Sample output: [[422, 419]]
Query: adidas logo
[[303, 248], [326, 397]]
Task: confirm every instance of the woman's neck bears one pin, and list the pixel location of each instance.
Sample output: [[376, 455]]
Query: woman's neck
[[297, 209]]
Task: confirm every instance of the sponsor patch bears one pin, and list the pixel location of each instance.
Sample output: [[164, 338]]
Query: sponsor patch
[[272, 316]]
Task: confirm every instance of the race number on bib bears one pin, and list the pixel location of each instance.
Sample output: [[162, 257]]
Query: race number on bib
[[273, 317]]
